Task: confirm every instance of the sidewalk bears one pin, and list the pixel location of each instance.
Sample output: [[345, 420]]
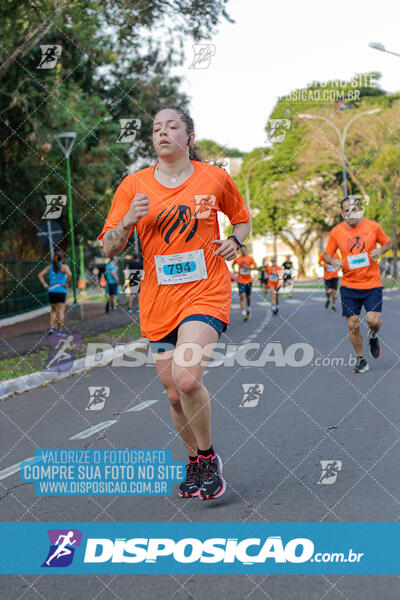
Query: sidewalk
[[31, 336]]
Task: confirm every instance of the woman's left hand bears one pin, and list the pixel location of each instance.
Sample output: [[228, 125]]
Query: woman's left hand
[[227, 249]]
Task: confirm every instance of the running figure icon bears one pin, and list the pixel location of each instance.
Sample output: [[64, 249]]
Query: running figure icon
[[62, 549], [62, 355]]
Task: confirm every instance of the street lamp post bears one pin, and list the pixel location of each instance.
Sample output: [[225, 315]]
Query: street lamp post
[[342, 136], [66, 141], [381, 48]]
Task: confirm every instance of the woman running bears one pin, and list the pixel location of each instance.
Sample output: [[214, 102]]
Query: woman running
[[185, 293], [59, 276]]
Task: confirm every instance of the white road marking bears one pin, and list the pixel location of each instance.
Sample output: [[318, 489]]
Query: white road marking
[[142, 405], [92, 430], [15, 468]]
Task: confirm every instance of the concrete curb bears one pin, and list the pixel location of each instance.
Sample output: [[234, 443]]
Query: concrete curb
[[34, 380], [32, 314]]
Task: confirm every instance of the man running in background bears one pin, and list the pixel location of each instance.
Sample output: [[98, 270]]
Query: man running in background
[[245, 281], [264, 278], [357, 239], [273, 272], [331, 279], [287, 266]]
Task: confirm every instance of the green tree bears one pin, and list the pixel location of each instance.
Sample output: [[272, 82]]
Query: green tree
[[113, 65], [304, 177]]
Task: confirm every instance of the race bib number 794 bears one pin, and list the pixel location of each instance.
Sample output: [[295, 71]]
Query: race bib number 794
[[180, 268]]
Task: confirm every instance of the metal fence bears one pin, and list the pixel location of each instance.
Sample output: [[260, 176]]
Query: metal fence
[[20, 288]]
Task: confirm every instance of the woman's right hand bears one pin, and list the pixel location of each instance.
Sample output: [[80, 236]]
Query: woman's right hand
[[139, 208]]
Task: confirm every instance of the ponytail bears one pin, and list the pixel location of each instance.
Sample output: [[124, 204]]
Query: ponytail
[[57, 260]]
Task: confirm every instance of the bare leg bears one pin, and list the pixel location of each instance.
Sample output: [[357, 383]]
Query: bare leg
[[60, 315], [164, 369], [242, 301], [353, 323], [374, 322], [194, 396], [53, 315]]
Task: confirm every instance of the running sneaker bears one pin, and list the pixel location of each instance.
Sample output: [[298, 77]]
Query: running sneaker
[[212, 483], [327, 303], [50, 331], [129, 310], [275, 311], [375, 349], [361, 365], [60, 332], [333, 308], [191, 485], [265, 299]]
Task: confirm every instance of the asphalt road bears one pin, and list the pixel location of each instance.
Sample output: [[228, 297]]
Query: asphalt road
[[271, 451]]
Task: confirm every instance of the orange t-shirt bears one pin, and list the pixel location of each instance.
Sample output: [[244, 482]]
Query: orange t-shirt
[[273, 276], [244, 262], [360, 271], [181, 220], [329, 271]]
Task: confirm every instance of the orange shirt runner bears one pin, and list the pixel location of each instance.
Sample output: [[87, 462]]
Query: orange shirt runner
[[182, 221], [360, 271], [244, 263], [329, 271], [273, 276]]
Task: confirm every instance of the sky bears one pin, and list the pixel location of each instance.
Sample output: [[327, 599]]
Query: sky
[[275, 47]]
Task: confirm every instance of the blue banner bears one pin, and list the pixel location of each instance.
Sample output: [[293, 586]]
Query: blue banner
[[205, 547]]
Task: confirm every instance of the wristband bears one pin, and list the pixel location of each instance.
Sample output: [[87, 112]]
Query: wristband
[[235, 239]]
